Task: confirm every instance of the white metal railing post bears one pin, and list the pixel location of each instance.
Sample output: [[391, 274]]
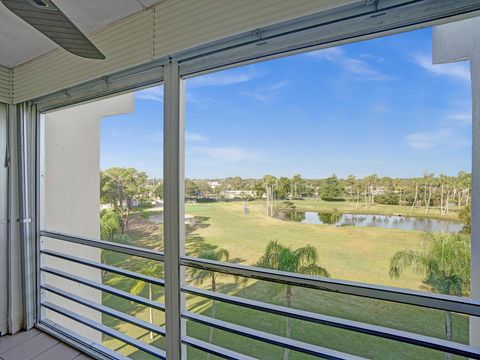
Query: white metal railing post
[[174, 233], [25, 125], [39, 209]]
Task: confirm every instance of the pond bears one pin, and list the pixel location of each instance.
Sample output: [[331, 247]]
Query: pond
[[372, 220]]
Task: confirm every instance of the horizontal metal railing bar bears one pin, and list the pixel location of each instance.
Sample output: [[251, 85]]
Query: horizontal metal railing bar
[[87, 346], [109, 268], [437, 301], [456, 304], [106, 245], [106, 330], [281, 341], [375, 330], [105, 288], [105, 310], [214, 349]]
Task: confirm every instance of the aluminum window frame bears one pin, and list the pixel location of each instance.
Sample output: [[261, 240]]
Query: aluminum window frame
[[263, 44], [124, 82]]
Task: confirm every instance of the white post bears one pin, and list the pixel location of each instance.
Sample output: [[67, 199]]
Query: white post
[[475, 236], [174, 232], [453, 42], [26, 119]]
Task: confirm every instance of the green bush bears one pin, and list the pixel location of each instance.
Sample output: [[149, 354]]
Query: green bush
[[146, 205], [387, 199], [465, 217], [110, 224]]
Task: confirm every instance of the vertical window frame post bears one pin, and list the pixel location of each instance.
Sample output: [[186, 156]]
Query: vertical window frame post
[[174, 229], [475, 209]]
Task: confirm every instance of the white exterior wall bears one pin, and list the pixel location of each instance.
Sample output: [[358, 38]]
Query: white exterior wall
[[71, 197], [456, 42]]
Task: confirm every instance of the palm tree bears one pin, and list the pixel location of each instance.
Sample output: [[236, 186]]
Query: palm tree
[[199, 276], [155, 270], [269, 182], [296, 179], [302, 260], [427, 183], [445, 263]]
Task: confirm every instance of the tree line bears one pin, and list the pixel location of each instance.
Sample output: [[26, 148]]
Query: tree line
[[125, 188], [426, 191]]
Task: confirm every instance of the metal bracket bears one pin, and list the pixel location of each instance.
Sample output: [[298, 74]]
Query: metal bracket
[[372, 2], [24, 221]]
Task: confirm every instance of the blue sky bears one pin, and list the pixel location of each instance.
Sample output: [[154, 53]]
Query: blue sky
[[378, 106]]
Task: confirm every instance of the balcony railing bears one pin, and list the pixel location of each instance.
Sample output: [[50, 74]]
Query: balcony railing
[[459, 305]]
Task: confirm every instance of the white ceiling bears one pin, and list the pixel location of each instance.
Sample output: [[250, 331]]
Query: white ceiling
[[19, 42]]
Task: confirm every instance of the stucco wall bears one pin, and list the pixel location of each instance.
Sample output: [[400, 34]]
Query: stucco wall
[[71, 196], [460, 41]]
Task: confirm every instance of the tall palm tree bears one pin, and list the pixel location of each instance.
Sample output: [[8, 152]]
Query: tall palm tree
[[154, 270], [302, 260], [445, 263], [269, 182], [199, 276], [296, 179], [428, 179]]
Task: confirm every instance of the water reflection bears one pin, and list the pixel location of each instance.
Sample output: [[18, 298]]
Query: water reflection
[[372, 220]]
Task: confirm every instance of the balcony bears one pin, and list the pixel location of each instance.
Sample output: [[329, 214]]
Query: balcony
[[90, 268], [414, 298], [33, 344]]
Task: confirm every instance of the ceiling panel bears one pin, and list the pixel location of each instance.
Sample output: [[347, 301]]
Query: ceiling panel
[[19, 42]]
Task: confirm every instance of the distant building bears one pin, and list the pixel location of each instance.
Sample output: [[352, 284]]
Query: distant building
[[213, 184], [238, 194], [379, 190], [105, 206]]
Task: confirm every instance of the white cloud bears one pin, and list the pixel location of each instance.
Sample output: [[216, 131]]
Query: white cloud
[[230, 154], [200, 101], [352, 65], [464, 117], [266, 93], [330, 54], [189, 136], [372, 57], [154, 94], [428, 140], [195, 137], [459, 70], [223, 78]]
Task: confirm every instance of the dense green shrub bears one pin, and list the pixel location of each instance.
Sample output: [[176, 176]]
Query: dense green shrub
[[465, 217], [110, 224], [387, 199]]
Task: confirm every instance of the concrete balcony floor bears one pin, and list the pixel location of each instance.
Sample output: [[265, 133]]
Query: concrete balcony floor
[[34, 344]]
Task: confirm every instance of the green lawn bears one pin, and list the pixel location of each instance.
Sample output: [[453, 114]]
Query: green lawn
[[351, 253], [348, 252]]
